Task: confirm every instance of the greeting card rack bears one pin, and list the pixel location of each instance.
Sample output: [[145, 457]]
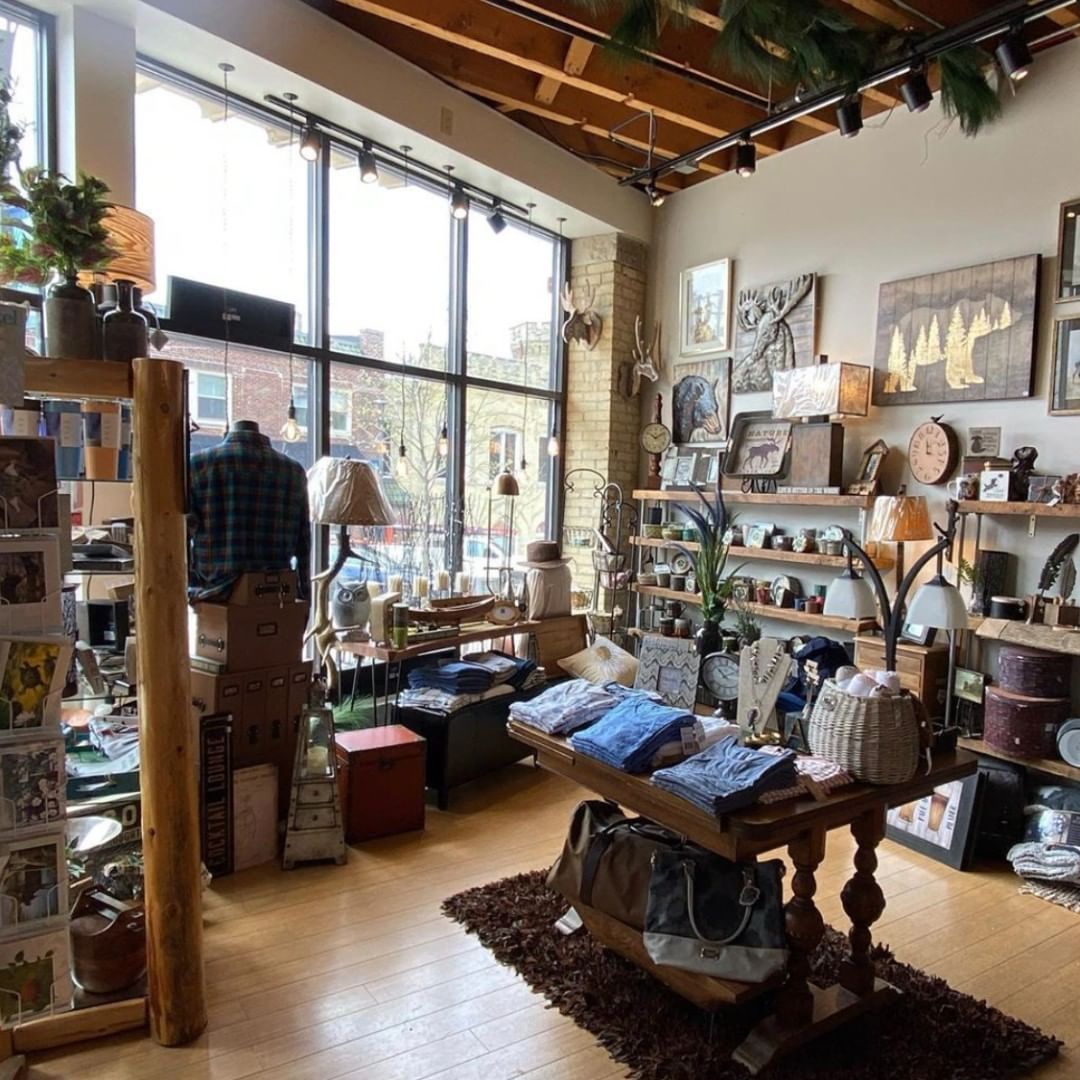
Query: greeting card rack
[[176, 1000]]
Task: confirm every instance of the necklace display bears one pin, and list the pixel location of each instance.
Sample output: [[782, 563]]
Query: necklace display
[[764, 667]]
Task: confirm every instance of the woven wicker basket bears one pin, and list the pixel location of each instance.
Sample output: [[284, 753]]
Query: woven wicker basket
[[875, 739]]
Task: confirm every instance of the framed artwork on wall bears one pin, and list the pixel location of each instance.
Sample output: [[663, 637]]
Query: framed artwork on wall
[[1068, 285], [759, 445], [701, 402], [1065, 381], [775, 330], [942, 825], [704, 302], [958, 335]]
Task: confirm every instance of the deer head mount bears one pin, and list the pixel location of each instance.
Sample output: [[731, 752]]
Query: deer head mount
[[647, 363], [582, 322]]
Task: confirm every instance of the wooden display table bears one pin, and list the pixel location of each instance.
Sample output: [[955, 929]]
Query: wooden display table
[[802, 1011]]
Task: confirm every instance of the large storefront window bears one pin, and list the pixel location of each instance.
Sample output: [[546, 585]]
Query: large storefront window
[[23, 63]]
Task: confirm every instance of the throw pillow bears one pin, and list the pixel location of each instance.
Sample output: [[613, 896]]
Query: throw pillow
[[602, 662]]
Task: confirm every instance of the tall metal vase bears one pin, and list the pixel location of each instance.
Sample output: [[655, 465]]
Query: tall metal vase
[[70, 321]]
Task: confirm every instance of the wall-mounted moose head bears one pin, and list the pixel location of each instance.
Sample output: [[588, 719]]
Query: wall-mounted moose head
[[582, 322]]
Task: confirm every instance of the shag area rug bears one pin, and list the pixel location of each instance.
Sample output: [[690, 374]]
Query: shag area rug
[[931, 1033], [1064, 895]]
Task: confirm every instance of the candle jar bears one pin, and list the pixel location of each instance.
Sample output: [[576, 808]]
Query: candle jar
[[762, 594], [667, 626], [682, 628], [814, 605], [400, 634]]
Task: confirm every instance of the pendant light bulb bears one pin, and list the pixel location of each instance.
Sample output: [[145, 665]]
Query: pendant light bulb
[[369, 167], [402, 460], [290, 430], [553, 447], [656, 196], [309, 143], [444, 442], [746, 159], [524, 466]]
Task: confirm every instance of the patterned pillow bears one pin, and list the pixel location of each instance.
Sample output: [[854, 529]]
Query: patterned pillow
[[602, 662]]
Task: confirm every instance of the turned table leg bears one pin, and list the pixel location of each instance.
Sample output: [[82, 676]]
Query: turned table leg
[[863, 901], [805, 929]]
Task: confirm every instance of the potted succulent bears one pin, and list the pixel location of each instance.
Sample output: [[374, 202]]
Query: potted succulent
[[714, 582], [55, 228]]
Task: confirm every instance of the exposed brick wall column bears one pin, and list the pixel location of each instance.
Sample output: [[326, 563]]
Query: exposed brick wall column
[[602, 425]]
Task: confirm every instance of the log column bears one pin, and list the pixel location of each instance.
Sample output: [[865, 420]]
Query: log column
[[170, 810]]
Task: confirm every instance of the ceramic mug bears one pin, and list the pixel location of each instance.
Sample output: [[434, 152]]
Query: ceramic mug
[[963, 487], [667, 626], [682, 628]]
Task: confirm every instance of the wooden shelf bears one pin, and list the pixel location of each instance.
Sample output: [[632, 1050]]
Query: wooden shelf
[[768, 611], [1037, 636], [1054, 766], [1019, 509], [84, 379], [883, 562], [850, 502]]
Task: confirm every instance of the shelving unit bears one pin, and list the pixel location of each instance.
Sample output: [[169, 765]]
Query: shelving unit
[[847, 502], [1020, 509], [1053, 766], [768, 611], [838, 562]]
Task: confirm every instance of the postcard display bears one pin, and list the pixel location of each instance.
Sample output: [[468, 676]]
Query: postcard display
[[35, 656]]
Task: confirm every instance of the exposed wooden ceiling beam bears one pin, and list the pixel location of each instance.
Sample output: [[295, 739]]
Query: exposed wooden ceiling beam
[[473, 25], [886, 13], [577, 56]]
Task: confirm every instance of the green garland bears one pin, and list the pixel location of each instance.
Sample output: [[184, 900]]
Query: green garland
[[819, 48]]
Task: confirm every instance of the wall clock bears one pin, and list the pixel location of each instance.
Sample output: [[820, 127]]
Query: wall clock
[[720, 674], [655, 439], [933, 452]]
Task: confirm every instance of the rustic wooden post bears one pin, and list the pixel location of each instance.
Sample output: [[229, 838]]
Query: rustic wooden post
[[170, 828]]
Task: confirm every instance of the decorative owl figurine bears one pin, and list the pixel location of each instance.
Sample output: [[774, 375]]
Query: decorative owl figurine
[[350, 608]]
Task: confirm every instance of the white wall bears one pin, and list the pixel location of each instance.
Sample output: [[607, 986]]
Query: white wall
[[901, 199]]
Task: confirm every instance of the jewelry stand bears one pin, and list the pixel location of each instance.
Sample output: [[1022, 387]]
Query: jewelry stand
[[764, 668]]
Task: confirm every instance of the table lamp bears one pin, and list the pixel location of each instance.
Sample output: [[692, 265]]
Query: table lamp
[[899, 519], [816, 395], [130, 234]]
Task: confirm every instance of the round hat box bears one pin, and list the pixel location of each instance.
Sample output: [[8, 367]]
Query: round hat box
[[1034, 673], [1023, 726]]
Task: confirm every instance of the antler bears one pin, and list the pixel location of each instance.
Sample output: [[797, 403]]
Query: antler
[[784, 299], [654, 352], [588, 296], [639, 349], [568, 298]]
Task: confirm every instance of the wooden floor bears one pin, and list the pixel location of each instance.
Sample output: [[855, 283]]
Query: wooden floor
[[352, 971]]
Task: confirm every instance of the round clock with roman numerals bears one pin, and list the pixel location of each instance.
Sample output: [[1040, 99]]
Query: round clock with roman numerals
[[934, 452]]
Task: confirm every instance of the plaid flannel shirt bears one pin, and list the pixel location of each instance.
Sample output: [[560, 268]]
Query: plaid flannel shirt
[[248, 511]]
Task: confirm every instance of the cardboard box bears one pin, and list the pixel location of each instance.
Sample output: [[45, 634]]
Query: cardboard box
[[267, 588], [255, 816], [247, 638]]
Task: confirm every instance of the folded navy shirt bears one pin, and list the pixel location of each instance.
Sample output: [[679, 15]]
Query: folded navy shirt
[[629, 735], [727, 776]]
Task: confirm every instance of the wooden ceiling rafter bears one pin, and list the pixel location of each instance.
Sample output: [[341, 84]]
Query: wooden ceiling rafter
[[577, 56]]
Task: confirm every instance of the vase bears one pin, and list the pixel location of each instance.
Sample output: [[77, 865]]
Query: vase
[[707, 637], [70, 321], [124, 330]]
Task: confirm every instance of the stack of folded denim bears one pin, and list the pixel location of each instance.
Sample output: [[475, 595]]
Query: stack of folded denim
[[630, 734], [510, 670], [452, 677], [727, 776], [572, 705]]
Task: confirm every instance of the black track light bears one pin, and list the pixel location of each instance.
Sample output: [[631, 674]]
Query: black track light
[[1014, 56], [849, 116], [496, 219], [915, 91], [369, 167], [656, 196], [746, 159], [310, 142]]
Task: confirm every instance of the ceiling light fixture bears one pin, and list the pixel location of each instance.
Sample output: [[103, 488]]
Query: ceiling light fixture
[[369, 167], [915, 90], [849, 116], [1014, 56], [656, 196], [496, 219], [746, 159], [459, 201], [310, 142]]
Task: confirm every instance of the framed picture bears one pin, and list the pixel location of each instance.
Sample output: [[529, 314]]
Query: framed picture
[[775, 330], [704, 302], [869, 479], [757, 536], [33, 672], [958, 335], [30, 585], [1041, 488], [668, 468], [32, 785], [701, 402], [918, 634], [758, 447], [35, 975], [670, 667], [703, 465], [983, 442], [714, 469], [1068, 287], [742, 589], [969, 685], [28, 491], [1065, 383], [942, 825], [33, 883], [994, 485]]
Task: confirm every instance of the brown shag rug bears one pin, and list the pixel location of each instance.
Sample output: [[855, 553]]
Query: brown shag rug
[[932, 1033]]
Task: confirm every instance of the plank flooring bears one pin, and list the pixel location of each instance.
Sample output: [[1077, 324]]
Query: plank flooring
[[331, 972]]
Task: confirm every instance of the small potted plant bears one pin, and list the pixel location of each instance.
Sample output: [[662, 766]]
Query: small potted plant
[[56, 231]]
